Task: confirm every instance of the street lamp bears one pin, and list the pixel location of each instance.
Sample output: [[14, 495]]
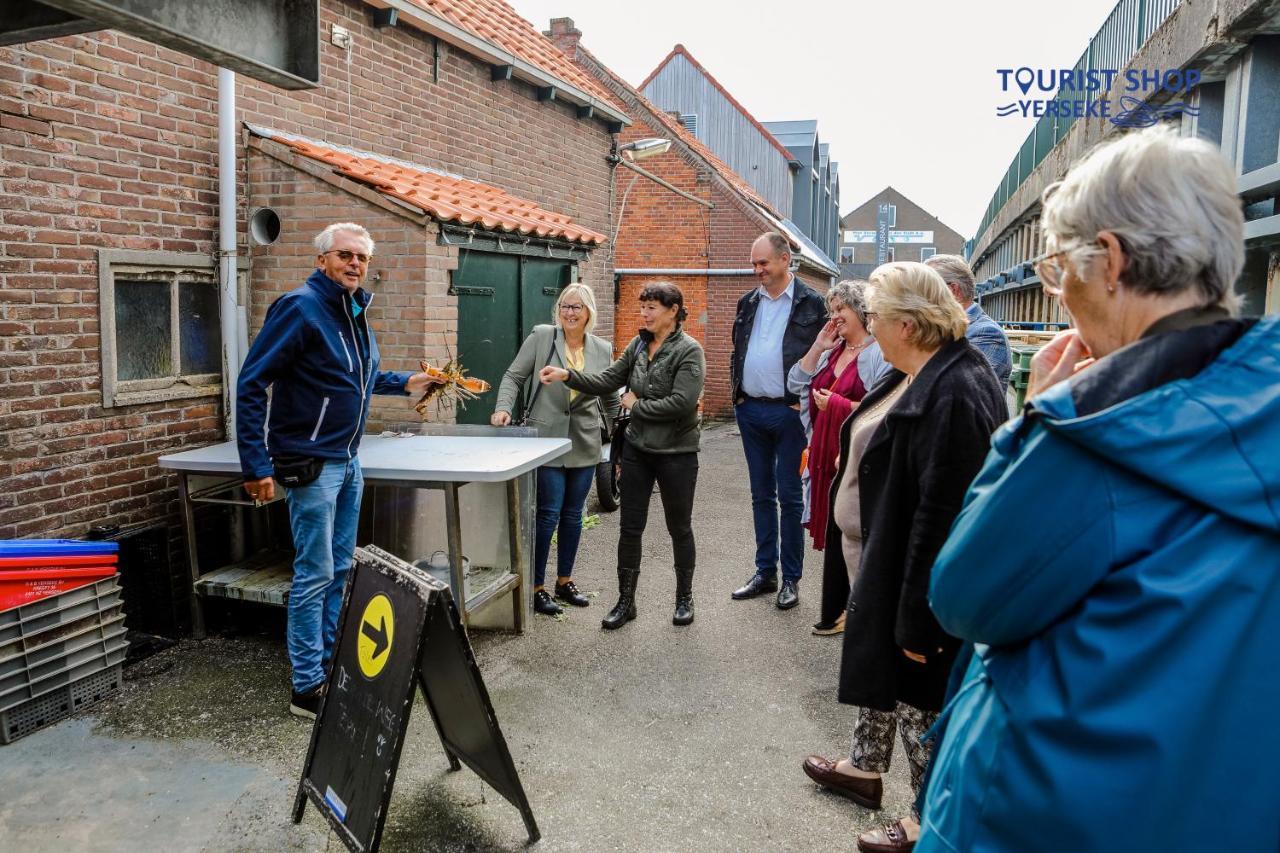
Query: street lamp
[[641, 148]]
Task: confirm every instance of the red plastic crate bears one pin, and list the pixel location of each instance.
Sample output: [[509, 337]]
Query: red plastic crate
[[12, 563], [19, 586]]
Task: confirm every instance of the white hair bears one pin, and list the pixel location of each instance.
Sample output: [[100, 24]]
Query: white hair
[[954, 270], [1172, 203], [588, 299], [324, 240]]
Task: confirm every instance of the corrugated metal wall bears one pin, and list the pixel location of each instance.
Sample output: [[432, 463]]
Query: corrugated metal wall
[[723, 129]]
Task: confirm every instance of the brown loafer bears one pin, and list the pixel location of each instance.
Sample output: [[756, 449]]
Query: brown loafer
[[864, 792], [890, 838]]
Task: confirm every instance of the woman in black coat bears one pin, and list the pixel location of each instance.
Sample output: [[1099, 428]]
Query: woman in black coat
[[914, 444]]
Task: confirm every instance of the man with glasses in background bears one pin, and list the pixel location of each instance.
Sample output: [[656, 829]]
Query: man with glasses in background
[[317, 353], [984, 332]]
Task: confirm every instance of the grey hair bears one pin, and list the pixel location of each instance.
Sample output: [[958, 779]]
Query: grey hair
[[1172, 203], [955, 270], [588, 299], [852, 293], [324, 240]]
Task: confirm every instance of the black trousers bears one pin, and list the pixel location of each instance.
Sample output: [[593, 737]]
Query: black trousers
[[677, 476]]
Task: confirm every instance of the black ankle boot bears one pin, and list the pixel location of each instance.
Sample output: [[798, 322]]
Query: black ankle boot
[[684, 597], [625, 610]]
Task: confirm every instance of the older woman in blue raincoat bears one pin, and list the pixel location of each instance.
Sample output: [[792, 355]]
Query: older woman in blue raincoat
[[1117, 561]]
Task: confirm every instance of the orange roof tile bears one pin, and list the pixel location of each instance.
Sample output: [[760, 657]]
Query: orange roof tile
[[683, 51], [499, 24], [446, 197]]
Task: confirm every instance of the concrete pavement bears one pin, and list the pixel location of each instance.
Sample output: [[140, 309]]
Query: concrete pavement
[[650, 738]]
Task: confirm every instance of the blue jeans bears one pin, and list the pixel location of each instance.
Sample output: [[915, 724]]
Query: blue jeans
[[322, 518], [773, 440], [562, 492]]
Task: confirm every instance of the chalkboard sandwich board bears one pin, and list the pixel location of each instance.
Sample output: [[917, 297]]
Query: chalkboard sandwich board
[[398, 628]]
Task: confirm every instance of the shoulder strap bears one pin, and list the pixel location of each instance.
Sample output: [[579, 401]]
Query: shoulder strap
[[537, 382]]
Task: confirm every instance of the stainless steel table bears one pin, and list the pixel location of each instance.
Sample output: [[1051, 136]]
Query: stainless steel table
[[444, 460]]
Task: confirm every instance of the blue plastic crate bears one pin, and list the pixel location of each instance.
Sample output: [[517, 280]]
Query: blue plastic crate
[[55, 548]]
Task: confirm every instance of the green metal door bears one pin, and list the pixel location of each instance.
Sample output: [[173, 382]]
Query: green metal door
[[488, 290], [541, 281], [500, 299]]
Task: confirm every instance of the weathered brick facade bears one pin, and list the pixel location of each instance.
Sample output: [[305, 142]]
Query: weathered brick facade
[[109, 142]]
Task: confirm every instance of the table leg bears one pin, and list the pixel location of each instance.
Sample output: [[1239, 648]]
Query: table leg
[[453, 529], [518, 556], [193, 558]]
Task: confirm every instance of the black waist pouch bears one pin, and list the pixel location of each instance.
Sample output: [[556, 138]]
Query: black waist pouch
[[294, 471]]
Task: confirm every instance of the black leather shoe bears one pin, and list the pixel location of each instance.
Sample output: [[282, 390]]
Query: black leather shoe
[[570, 594], [307, 705], [758, 585], [543, 604], [788, 596]]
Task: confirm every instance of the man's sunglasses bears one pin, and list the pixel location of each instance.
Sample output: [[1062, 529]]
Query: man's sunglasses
[[346, 256]]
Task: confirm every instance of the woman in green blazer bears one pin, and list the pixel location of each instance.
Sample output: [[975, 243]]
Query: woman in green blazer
[[559, 412]]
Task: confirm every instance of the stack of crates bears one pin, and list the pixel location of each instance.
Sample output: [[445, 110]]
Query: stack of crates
[[1021, 375], [62, 634]]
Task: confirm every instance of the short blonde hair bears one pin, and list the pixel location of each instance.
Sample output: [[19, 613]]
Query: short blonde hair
[[911, 291], [588, 299]]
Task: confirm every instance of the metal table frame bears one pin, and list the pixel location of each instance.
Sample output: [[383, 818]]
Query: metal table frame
[[228, 490]]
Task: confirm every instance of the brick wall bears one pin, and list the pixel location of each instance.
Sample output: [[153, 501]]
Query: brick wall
[[107, 141], [412, 315]]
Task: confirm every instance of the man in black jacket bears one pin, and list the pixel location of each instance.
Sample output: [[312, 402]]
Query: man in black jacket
[[775, 325]]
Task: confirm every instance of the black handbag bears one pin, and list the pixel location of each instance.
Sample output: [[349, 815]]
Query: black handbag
[[294, 471], [618, 440], [525, 419], [606, 433]]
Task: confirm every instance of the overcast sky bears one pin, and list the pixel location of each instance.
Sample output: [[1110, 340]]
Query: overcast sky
[[904, 90]]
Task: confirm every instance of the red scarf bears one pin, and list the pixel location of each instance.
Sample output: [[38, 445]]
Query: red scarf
[[824, 447]]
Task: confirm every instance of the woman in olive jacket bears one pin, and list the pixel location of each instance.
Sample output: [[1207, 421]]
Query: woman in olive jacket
[[907, 456], [557, 412], [664, 370]]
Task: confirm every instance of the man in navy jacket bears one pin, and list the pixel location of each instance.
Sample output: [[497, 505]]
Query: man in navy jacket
[[317, 353], [776, 323]]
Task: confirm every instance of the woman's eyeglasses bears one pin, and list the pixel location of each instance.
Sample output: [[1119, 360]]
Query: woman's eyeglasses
[[346, 256], [566, 308], [1050, 271]]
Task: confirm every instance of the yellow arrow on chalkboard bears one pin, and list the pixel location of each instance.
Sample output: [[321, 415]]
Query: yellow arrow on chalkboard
[[377, 630]]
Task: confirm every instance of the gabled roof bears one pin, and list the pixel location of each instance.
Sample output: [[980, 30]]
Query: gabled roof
[[892, 194], [756, 204], [681, 50], [678, 132], [494, 31], [798, 137], [444, 196]]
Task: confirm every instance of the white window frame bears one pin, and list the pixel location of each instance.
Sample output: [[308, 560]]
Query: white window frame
[[889, 254], [893, 216], [853, 253], [932, 250], [157, 266]]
